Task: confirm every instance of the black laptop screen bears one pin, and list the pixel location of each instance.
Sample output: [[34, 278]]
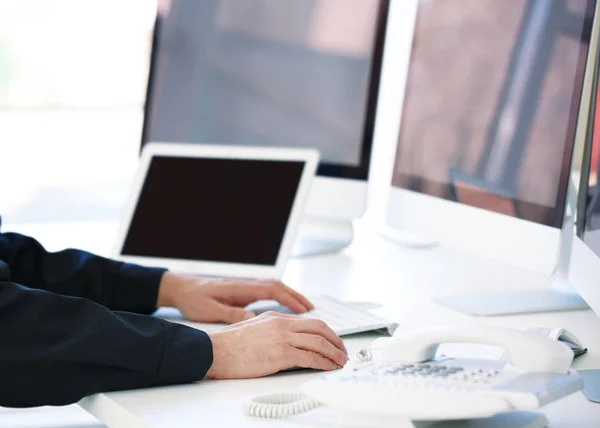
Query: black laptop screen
[[210, 209]]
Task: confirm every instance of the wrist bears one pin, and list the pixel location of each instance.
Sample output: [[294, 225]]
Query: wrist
[[167, 290], [214, 371]]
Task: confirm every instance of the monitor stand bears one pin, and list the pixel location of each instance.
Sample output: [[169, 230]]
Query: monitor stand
[[560, 296], [405, 239], [513, 302], [591, 381], [513, 419], [322, 236]]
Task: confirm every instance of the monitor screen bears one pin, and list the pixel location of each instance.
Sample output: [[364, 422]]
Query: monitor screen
[[210, 209], [588, 207], [491, 104], [293, 73]]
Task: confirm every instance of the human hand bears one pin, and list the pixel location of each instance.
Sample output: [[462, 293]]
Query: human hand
[[204, 299], [272, 342]]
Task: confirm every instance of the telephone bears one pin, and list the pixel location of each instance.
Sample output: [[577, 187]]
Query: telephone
[[401, 377], [563, 335]]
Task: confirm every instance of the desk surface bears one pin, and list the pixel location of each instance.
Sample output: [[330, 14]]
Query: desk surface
[[401, 280]]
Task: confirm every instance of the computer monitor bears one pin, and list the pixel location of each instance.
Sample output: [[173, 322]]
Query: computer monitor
[[585, 258], [584, 268], [492, 102], [272, 73]]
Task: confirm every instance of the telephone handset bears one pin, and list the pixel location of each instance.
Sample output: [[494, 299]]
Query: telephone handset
[[402, 377], [528, 352]]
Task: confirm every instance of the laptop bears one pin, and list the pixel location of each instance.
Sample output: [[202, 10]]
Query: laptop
[[216, 210], [226, 211]]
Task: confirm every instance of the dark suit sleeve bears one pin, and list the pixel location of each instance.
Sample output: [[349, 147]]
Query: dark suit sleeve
[[118, 286], [55, 350]]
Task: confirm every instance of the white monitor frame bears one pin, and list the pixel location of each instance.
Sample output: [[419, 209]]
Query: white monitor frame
[[310, 158]]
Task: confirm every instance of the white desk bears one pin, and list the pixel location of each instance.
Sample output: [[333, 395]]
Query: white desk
[[372, 270]]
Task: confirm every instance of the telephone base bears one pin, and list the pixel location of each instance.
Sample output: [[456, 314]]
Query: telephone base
[[488, 304], [516, 419]]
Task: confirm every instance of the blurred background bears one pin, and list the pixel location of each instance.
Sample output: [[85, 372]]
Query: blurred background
[[72, 86], [73, 78]]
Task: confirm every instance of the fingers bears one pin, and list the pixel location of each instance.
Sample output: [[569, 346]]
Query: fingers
[[299, 297], [301, 325], [278, 292], [319, 345], [310, 360], [254, 319], [231, 314], [243, 292], [318, 327]]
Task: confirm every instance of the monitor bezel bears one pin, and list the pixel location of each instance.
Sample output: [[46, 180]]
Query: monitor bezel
[[325, 169]]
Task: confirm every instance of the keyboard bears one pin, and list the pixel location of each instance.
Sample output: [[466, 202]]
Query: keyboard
[[343, 318]]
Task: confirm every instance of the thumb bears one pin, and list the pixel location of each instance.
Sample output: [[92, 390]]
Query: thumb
[[232, 315]]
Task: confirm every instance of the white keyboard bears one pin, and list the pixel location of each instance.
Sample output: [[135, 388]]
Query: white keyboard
[[343, 318]]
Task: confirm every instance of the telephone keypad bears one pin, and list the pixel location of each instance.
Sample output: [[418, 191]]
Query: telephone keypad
[[426, 371]]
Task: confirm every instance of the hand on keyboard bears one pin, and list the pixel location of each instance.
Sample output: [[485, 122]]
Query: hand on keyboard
[[343, 318]]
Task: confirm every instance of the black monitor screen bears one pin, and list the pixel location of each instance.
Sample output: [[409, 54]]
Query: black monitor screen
[[291, 73], [219, 210], [491, 103]]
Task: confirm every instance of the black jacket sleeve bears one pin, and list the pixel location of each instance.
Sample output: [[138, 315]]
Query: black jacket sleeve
[[55, 350], [118, 286]]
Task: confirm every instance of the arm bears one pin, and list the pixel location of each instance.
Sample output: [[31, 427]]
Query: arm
[[55, 350], [118, 286]]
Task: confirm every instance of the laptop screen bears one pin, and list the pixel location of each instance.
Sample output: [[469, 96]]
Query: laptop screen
[[211, 209]]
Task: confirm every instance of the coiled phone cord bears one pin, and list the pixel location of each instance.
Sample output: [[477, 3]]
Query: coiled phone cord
[[280, 405], [276, 406]]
